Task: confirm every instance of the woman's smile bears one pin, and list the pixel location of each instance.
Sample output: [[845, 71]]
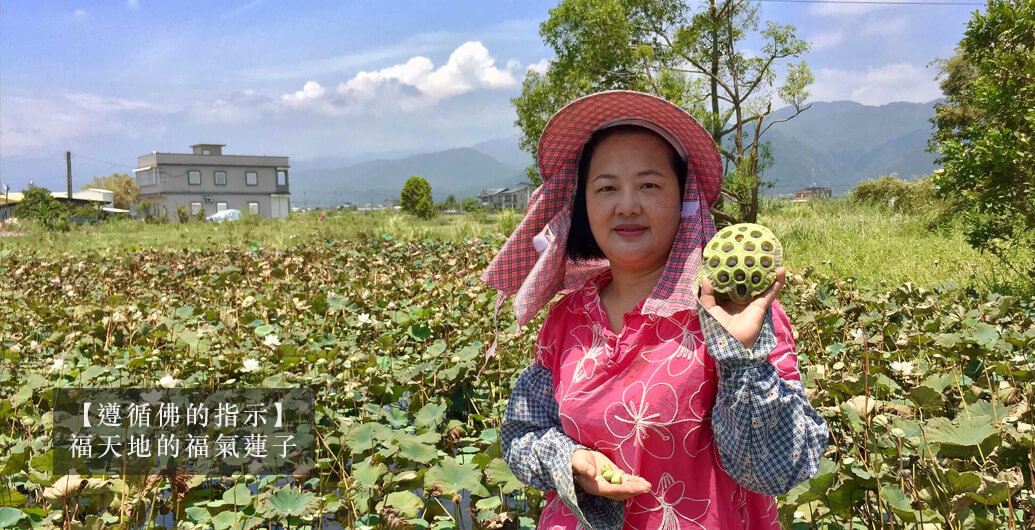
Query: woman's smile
[[631, 231]]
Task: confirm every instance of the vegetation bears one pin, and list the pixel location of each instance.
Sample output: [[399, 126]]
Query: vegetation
[[696, 60], [986, 132], [87, 212], [925, 383], [415, 198], [449, 204], [123, 186], [40, 206]]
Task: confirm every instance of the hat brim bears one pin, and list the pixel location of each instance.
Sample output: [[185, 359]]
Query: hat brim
[[569, 129]]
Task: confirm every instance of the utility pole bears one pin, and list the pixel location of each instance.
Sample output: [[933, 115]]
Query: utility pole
[[68, 168]]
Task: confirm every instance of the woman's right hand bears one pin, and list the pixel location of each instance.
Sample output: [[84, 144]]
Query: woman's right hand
[[586, 466]]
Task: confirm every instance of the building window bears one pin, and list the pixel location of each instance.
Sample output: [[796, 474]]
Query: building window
[[281, 177], [206, 152], [253, 207], [251, 178], [220, 206], [221, 178], [193, 177], [195, 207]]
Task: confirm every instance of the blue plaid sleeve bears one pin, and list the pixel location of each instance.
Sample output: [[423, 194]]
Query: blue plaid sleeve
[[538, 451], [768, 435]]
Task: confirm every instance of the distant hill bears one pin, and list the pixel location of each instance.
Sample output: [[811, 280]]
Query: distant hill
[[839, 144], [463, 172], [835, 144]]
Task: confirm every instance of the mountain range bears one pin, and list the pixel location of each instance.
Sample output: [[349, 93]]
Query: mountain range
[[833, 144]]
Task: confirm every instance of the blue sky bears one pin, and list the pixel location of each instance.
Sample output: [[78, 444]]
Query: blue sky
[[113, 80]]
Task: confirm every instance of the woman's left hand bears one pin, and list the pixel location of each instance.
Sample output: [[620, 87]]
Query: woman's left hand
[[743, 321]]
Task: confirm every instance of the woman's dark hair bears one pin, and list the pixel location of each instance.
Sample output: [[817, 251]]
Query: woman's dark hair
[[581, 244]]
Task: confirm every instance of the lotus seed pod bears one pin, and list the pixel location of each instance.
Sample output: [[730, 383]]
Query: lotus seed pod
[[741, 261]]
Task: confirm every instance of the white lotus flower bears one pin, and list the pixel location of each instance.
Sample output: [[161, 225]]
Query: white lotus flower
[[904, 367], [168, 381], [272, 340], [59, 363], [250, 365], [364, 318]]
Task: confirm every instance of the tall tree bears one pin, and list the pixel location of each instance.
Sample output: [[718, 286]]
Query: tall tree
[[696, 60], [985, 132], [124, 186], [415, 198]]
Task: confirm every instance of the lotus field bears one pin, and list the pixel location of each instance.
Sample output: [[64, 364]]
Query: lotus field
[[927, 390]]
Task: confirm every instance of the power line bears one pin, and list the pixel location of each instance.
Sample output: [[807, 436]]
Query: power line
[[77, 155], [876, 2]]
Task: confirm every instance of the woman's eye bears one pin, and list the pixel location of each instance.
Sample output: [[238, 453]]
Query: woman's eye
[[606, 188], [650, 184]]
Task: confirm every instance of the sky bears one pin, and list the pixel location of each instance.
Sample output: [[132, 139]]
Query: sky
[[113, 80]]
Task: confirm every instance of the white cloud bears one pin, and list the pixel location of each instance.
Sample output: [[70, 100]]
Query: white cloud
[[132, 4], [247, 106], [410, 85], [242, 9], [93, 102], [842, 10], [35, 124], [876, 86], [540, 66], [884, 27], [80, 13], [826, 39], [311, 91]]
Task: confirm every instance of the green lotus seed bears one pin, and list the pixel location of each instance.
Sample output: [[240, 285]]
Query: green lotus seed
[[616, 478], [744, 265]]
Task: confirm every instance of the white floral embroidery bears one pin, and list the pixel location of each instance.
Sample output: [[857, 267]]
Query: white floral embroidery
[[640, 422], [676, 508], [592, 349]]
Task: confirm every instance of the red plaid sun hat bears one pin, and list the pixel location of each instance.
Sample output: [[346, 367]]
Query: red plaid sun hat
[[533, 264]]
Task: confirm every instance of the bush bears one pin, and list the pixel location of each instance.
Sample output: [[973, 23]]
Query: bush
[[182, 213], [471, 204], [508, 221], [40, 206], [900, 195], [86, 212]]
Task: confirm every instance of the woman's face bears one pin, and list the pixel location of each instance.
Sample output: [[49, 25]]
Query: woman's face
[[632, 200]]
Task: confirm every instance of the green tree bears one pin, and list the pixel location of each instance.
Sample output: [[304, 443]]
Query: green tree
[[124, 187], [985, 132], [39, 205], [470, 204], [696, 60], [415, 198], [449, 204]]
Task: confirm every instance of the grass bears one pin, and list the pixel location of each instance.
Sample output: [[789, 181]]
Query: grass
[[869, 243], [127, 235], [874, 244]]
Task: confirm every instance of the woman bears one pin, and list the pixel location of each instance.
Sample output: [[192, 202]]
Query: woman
[[697, 398]]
